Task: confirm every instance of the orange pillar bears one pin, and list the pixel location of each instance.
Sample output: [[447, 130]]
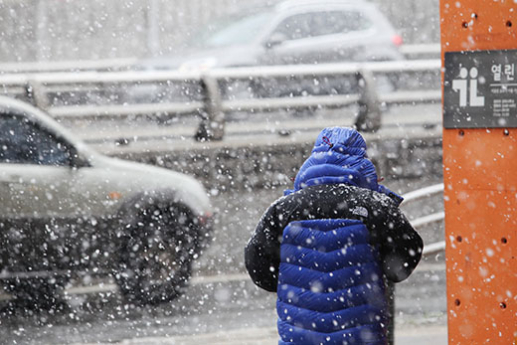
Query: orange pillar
[[480, 168]]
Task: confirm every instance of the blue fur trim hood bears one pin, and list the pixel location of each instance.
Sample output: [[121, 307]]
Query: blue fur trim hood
[[339, 156]]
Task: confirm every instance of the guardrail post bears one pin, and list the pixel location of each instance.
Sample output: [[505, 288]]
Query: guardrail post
[[36, 95], [369, 117], [212, 124]]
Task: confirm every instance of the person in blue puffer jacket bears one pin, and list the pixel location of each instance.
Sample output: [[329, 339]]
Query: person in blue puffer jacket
[[330, 246]]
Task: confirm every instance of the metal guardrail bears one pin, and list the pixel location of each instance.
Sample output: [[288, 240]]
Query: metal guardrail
[[68, 66], [415, 51], [212, 94], [434, 248], [423, 193], [428, 249], [426, 192], [410, 51]]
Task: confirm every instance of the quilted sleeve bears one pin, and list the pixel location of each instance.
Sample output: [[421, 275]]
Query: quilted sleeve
[[262, 253], [400, 246]]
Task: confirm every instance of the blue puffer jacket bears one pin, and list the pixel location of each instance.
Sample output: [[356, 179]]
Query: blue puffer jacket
[[330, 286]]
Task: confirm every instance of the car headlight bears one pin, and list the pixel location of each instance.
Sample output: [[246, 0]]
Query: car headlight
[[198, 65]]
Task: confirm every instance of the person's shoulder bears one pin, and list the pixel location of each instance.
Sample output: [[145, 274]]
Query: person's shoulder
[[383, 199], [339, 191], [283, 200], [371, 197]]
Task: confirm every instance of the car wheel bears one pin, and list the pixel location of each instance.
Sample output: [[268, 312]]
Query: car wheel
[[156, 255]]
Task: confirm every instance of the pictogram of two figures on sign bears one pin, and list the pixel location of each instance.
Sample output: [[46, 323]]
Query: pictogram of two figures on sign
[[467, 86]]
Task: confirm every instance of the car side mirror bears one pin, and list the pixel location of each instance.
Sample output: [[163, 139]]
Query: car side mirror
[[276, 39], [78, 162]]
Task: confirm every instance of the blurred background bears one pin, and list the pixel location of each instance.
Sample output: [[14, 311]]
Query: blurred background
[[43, 30], [160, 83]]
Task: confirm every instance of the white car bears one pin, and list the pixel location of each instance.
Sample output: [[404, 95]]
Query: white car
[[290, 32], [66, 210]]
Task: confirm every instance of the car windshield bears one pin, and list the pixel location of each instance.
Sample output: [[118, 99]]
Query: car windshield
[[232, 31]]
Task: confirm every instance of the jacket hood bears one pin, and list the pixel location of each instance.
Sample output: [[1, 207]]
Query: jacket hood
[[339, 156]]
